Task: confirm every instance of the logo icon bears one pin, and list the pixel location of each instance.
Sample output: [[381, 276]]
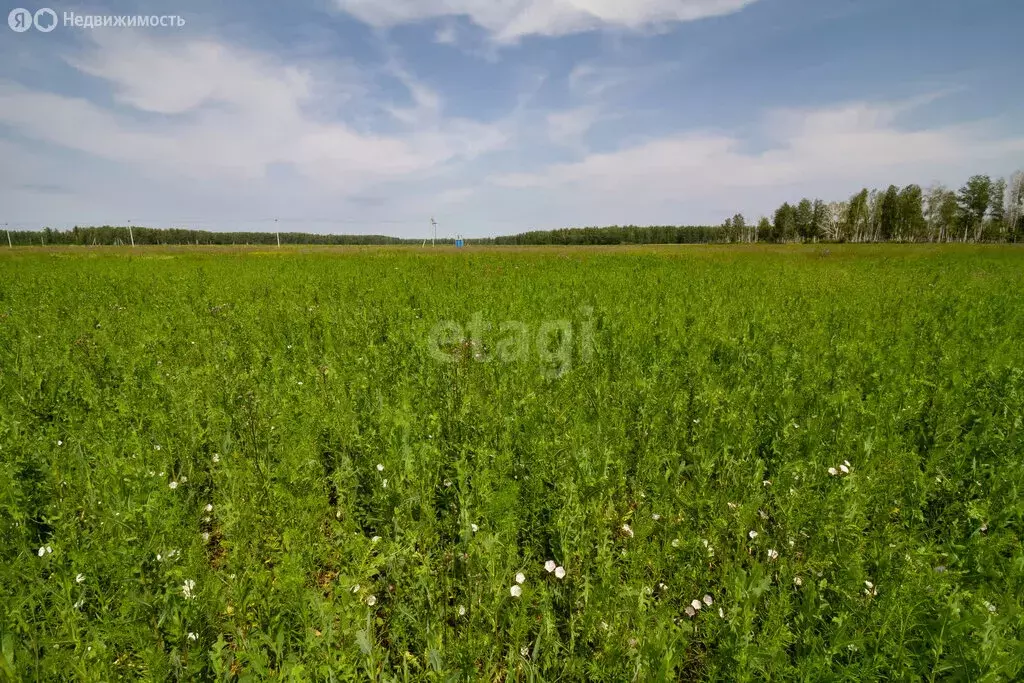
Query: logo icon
[[20, 19], [45, 20]]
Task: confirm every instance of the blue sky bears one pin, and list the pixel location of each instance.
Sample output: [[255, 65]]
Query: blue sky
[[497, 116]]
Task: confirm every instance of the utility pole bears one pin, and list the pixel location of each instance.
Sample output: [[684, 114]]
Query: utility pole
[[8, 236], [278, 233], [131, 235], [433, 241]]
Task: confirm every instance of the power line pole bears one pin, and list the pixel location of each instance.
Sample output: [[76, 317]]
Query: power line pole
[[130, 233], [8, 236], [278, 233], [433, 241]]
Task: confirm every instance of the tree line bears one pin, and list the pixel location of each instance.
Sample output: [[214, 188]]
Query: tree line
[[982, 210]]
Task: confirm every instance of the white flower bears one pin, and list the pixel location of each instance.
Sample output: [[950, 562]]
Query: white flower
[[184, 479], [732, 506], [474, 527], [560, 572], [188, 589], [752, 534], [696, 604], [833, 471], [156, 447], [385, 483], [990, 607], [847, 463], [707, 600], [462, 611], [773, 554], [675, 542], [447, 483], [192, 636], [524, 651], [690, 612], [766, 483], [797, 581], [60, 443], [80, 578], [173, 485], [869, 584], [627, 530], [380, 467], [206, 536], [42, 551], [721, 613], [79, 604], [371, 600], [209, 507], [375, 539], [49, 549], [355, 588], [550, 566], [844, 469], [520, 578], [216, 457], [516, 591], [655, 516]]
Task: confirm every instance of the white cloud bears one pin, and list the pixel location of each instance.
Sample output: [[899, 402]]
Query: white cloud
[[831, 151], [570, 127], [221, 111], [509, 20]]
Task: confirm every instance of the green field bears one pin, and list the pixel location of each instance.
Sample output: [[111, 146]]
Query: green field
[[331, 464]]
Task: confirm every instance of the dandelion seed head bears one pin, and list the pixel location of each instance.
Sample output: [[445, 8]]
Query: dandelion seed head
[[520, 578], [550, 566], [560, 572], [515, 591]]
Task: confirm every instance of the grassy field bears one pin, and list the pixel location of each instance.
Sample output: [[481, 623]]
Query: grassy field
[[331, 464]]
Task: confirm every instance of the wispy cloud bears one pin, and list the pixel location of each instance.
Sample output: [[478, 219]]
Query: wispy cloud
[[510, 20], [842, 146]]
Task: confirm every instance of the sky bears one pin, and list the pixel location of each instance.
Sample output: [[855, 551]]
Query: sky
[[497, 116]]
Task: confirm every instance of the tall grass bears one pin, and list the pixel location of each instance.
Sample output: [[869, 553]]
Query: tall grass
[[721, 386]]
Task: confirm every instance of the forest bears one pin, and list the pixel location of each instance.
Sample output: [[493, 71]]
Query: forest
[[982, 210]]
